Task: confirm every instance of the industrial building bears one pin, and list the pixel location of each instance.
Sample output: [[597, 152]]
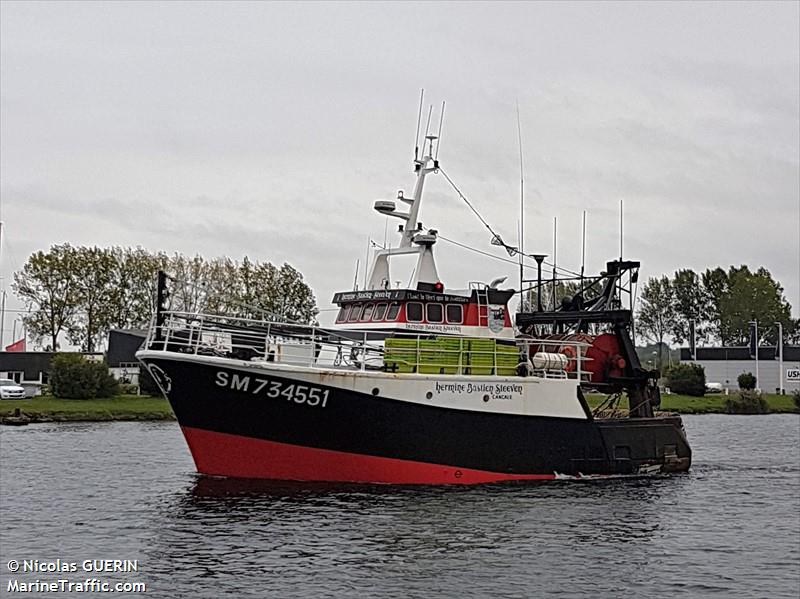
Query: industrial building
[[724, 364]]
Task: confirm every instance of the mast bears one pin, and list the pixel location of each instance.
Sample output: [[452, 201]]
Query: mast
[[555, 258], [583, 249], [423, 168], [413, 238], [521, 213]]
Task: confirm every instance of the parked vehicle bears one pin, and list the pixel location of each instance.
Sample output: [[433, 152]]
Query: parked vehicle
[[11, 390]]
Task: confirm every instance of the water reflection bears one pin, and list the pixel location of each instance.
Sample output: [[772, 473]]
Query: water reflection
[[210, 486], [372, 524], [204, 487]]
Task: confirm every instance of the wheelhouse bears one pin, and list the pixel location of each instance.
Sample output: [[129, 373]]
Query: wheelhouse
[[479, 311]]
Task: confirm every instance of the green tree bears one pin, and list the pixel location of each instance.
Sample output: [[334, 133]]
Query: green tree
[[296, 300], [791, 333], [222, 286], [690, 304], [257, 294], [188, 287], [247, 285], [656, 316], [715, 286], [752, 296], [133, 286], [85, 291], [46, 285], [92, 273], [261, 290]]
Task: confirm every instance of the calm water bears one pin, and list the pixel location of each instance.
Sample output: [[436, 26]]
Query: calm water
[[730, 528]]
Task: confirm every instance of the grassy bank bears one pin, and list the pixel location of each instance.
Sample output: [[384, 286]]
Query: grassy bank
[[121, 407], [709, 404], [134, 407]]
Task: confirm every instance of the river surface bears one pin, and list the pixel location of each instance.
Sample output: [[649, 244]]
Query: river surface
[[128, 491]]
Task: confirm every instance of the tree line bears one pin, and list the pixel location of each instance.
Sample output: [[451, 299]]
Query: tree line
[[83, 292], [720, 303]]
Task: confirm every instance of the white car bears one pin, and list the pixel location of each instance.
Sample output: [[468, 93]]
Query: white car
[[11, 390], [714, 388]]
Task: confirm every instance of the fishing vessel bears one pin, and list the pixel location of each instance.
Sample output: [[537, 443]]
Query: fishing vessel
[[424, 384]]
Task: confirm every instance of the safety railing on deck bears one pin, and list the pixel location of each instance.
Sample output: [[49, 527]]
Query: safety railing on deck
[[399, 352]]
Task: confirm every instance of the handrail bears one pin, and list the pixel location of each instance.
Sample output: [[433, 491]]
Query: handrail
[[312, 346]]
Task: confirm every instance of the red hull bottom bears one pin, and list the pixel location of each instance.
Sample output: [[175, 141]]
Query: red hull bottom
[[222, 454]]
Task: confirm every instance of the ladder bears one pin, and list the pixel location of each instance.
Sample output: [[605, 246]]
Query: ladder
[[482, 295]]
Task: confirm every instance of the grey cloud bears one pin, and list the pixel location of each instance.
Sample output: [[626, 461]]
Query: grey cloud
[[269, 129]]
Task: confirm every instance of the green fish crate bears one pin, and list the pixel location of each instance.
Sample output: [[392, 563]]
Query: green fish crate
[[400, 355], [481, 356], [507, 359]]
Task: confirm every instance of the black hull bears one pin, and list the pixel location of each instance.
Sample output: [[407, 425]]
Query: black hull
[[353, 424]]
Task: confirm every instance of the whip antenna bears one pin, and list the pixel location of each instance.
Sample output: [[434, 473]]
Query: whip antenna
[[620, 230], [427, 128], [521, 209], [366, 261], [419, 121], [583, 248], [619, 281], [555, 258], [439, 136]]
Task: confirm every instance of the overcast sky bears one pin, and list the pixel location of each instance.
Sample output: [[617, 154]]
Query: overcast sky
[[269, 129]]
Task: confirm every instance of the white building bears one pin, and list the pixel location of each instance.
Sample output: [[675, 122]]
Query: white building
[[724, 365]]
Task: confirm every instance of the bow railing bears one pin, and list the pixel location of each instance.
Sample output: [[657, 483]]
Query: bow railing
[[399, 352]]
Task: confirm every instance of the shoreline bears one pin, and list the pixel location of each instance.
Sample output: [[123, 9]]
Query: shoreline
[[144, 408], [120, 408], [715, 404]]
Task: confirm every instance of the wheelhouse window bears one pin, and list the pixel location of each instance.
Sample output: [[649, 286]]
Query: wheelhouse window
[[414, 312], [380, 312], [368, 310], [434, 312], [355, 312], [344, 312], [394, 310], [455, 314]]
